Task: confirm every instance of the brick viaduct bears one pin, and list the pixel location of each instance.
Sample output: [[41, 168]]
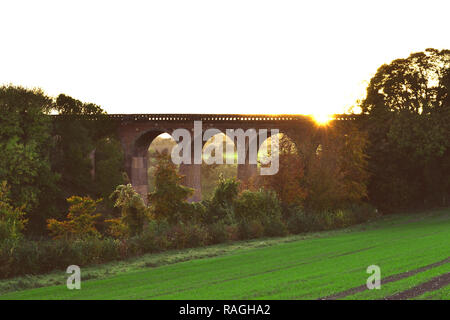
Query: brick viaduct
[[137, 131]]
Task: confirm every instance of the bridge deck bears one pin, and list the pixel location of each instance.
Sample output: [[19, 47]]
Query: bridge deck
[[209, 117]]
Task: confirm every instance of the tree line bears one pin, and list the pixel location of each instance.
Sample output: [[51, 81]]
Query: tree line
[[408, 125], [396, 158], [44, 162]]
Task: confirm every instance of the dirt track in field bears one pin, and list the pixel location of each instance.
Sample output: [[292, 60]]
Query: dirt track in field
[[427, 286], [432, 285]]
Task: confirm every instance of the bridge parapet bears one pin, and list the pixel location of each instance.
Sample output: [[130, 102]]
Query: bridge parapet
[[206, 117]]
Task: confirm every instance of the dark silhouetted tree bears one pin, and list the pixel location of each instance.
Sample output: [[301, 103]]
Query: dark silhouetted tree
[[407, 108], [26, 144]]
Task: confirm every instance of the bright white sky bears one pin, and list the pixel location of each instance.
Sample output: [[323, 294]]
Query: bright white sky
[[233, 56]]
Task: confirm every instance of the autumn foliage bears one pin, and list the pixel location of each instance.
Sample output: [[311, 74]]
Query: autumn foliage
[[324, 171], [287, 183], [80, 222]]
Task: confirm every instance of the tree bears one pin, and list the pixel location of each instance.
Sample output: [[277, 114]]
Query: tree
[[80, 222], [76, 140], [134, 212], [26, 142], [12, 221], [287, 183], [168, 201], [109, 161], [66, 105], [221, 204], [336, 172], [407, 122], [78, 136]]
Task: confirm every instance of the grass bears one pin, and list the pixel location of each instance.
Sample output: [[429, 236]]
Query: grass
[[298, 267], [400, 285], [440, 294]]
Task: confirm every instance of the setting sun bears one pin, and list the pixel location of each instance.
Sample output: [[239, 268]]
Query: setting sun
[[322, 118]]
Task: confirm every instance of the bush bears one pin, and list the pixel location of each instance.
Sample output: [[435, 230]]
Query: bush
[[363, 212], [134, 212], [18, 257], [298, 221], [218, 232], [221, 204], [275, 227], [295, 220], [251, 205], [195, 212], [80, 221], [159, 235], [36, 257], [259, 208], [188, 236], [117, 229], [159, 231], [250, 229]]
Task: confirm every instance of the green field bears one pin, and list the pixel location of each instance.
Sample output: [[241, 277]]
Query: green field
[[411, 250]]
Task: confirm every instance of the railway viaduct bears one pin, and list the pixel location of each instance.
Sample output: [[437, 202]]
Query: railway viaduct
[[137, 131]]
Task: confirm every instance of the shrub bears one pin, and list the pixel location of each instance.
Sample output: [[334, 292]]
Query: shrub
[[218, 232], [155, 237], [188, 235], [226, 191], [250, 229], [362, 212], [221, 204], [161, 229], [80, 221], [134, 212], [159, 235], [251, 205], [298, 221], [36, 257], [117, 229], [232, 232], [195, 212], [275, 227], [263, 207]]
